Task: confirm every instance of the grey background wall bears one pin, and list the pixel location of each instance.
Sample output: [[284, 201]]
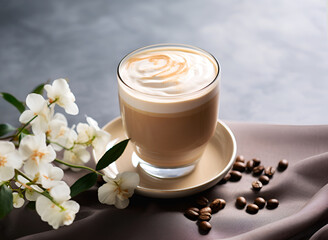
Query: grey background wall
[[274, 54]]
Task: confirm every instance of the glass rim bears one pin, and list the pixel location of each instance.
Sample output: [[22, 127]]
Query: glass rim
[[153, 46]]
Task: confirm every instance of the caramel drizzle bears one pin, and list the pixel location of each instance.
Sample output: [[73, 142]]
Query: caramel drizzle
[[181, 67]]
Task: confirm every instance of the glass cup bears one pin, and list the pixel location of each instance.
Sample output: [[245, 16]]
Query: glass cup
[[168, 96]]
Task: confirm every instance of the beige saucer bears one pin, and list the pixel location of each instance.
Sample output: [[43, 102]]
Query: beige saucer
[[213, 166]]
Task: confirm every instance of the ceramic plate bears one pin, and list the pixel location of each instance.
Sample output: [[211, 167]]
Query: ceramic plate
[[212, 167]]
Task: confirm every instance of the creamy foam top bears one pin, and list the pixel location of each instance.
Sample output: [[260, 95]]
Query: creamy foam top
[[168, 79], [168, 71]]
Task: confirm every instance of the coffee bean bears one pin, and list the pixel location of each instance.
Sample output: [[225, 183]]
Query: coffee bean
[[204, 226], [249, 166], [240, 158], [264, 179], [258, 170], [205, 210], [194, 209], [260, 202], [191, 214], [269, 171], [272, 203], [235, 176], [252, 208], [202, 201], [205, 216], [257, 185], [225, 179], [256, 161], [217, 204], [283, 164], [239, 166], [240, 202]]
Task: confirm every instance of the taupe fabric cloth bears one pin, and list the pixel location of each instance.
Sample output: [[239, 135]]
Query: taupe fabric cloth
[[302, 190]]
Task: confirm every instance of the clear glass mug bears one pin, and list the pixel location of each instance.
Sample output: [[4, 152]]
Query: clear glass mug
[[169, 132]]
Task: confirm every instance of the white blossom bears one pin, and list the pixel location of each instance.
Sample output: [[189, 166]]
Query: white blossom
[[79, 155], [31, 191], [57, 131], [60, 191], [18, 201], [9, 160], [38, 106], [91, 133], [37, 153], [118, 191], [54, 215], [60, 93], [49, 175]]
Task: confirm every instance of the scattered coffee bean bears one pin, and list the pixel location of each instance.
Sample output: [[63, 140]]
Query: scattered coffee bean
[[272, 203], [283, 164], [240, 202], [260, 202], [235, 176], [225, 179], [205, 216], [202, 201], [240, 158], [194, 209], [204, 226], [217, 204], [249, 166], [205, 210], [252, 208], [239, 166], [257, 185], [269, 171], [256, 161], [258, 170], [191, 214], [264, 179]]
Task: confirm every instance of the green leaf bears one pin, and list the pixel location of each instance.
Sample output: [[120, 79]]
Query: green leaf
[[39, 89], [6, 128], [6, 200], [11, 99], [112, 155], [83, 183]]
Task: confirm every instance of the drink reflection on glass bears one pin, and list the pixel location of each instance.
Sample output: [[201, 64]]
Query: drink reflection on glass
[[169, 106]]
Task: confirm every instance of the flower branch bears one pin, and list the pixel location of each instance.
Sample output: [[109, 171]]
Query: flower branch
[[27, 157]]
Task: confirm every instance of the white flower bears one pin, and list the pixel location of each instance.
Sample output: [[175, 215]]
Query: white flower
[[79, 155], [9, 160], [57, 130], [38, 106], [60, 191], [32, 192], [49, 174], [18, 201], [91, 133], [55, 215], [60, 93], [117, 191], [37, 153], [59, 134]]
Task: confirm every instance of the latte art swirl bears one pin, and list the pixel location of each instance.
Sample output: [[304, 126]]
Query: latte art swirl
[[168, 72]]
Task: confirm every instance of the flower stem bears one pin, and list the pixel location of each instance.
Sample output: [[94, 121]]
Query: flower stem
[[25, 125], [78, 166], [58, 144]]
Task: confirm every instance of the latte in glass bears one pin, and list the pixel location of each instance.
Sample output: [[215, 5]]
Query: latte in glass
[[169, 106]]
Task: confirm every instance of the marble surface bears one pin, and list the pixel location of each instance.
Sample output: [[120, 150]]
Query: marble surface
[[274, 54]]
